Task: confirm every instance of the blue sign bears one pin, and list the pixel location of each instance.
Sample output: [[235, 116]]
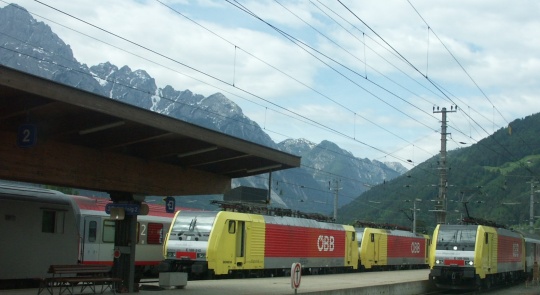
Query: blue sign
[[170, 204], [27, 135], [129, 209]]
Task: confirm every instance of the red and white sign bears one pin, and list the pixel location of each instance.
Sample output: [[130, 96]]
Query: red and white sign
[[296, 275]]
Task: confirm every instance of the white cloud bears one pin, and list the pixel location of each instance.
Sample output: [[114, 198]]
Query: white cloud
[[493, 41]]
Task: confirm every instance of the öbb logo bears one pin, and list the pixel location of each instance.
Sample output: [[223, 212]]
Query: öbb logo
[[415, 247], [515, 250], [325, 243]]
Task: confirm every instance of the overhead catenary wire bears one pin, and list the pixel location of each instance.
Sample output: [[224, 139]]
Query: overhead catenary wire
[[438, 86], [130, 87], [233, 82], [474, 82], [304, 45], [457, 61], [292, 77], [365, 63], [363, 42], [217, 79], [235, 47], [111, 81], [296, 40], [251, 13], [333, 130], [426, 77]]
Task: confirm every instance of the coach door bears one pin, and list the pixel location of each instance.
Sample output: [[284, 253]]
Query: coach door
[[91, 243]]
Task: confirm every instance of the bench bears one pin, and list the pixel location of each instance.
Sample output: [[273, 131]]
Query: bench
[[67, 277]]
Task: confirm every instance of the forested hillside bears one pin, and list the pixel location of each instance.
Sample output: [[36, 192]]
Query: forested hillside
[[493, 176]]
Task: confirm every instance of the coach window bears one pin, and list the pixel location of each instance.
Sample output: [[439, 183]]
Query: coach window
[[92, 231], [155, 233], [108, 231], [53, 221]]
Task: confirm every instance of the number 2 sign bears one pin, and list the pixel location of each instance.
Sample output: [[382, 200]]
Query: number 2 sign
[[27, 135]]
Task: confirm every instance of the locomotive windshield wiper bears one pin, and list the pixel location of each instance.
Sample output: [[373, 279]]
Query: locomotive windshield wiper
[[193, 224]]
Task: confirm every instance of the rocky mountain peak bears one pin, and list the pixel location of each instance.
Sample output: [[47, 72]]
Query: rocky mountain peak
[[31, 46], [297, 147]]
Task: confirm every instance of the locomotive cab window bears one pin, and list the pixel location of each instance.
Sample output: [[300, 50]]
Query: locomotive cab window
[[372, 237], [457, 236], [191, 225], [232, 227], [353, 236], [486, 238]]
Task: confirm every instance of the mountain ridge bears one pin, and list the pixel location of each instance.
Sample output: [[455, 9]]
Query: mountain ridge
[[32, 46]]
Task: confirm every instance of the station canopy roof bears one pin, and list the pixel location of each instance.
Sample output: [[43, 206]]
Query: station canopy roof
[[70, 115]]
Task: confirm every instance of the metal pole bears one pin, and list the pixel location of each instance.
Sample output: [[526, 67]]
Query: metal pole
[[440, 207], [414, 218], [531, 212], [336, 192], [336, 195], [269, 196]]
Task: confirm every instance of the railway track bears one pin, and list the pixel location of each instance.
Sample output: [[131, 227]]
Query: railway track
[[514, 289]]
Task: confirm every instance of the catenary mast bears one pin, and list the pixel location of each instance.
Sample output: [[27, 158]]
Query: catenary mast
[[440, 207]]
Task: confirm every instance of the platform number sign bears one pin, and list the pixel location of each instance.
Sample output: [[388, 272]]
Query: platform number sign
[[296, 275], [27, 135], [170, 204]]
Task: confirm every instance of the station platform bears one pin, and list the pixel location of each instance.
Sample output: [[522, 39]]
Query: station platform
[[408, 282], [405, 282], [380, 282]]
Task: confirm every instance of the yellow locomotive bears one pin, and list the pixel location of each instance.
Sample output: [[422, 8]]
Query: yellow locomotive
[[388, 249], [232, 243], [477, 256]]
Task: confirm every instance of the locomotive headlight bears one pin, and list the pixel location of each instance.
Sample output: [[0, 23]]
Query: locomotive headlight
[[455, 248], [437, 261], [171, 254], [471, 263]]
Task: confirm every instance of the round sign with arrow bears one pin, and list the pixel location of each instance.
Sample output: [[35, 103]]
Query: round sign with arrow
[[296, 275]]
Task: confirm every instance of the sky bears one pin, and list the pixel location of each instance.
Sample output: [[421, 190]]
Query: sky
[[365, 75]]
